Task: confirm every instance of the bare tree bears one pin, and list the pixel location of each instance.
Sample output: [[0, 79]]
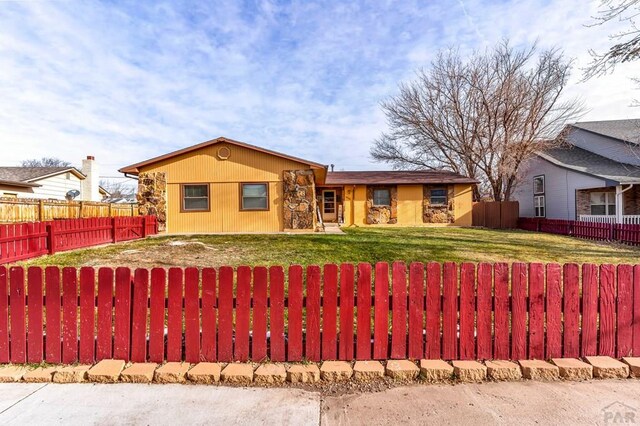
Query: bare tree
[[117, 189], [482, 117], [626, 44], [45, 162]]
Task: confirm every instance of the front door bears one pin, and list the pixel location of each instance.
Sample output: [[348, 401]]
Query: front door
[[329, 211]]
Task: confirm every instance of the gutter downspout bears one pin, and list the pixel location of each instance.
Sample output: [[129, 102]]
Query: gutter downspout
[[620, 201]]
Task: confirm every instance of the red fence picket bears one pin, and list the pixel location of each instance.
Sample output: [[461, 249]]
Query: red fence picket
[[330, 313], [363, 331], [399, 314], [209, 308], [435, 311], [20, 241], [276, 314], [312, 338]]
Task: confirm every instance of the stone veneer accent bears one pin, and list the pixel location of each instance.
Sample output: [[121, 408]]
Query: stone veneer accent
[[152, 196], [382, 214], [299, 199], [437, 214]]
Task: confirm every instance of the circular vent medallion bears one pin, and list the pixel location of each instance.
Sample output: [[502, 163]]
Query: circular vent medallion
[[224, 153]]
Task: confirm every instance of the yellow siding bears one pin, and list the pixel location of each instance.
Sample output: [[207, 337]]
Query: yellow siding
[[463, 205], [354, 204], [224, 178], [410, 205]]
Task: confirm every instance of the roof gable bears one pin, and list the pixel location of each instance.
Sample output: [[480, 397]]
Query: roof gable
[[620, 130], [135, 168], [583, 161]]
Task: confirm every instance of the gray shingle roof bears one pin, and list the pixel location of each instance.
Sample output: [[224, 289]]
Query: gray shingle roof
[[26, 174], [624, 130], [395, 177], [581, 160]]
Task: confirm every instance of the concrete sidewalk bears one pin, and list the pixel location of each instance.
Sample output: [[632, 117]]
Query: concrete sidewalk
[[520, 403], [134, 404]]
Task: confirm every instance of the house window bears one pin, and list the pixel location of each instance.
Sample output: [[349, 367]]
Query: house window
[[539, 206], [438, 197], [381, 197], [68, 175], [195, 198], [603, 203], [255, 196], [538, 185], [10, 195]]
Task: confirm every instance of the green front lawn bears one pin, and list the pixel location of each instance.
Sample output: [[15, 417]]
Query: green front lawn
[[358, 245]]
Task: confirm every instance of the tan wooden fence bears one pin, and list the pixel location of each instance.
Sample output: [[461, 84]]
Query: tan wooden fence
[[496, 214], [14, 210]]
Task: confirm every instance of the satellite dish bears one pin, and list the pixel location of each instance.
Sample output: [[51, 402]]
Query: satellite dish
[[72, 194]]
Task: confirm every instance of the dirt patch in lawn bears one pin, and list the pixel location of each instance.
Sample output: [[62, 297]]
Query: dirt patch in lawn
[[172, 253]]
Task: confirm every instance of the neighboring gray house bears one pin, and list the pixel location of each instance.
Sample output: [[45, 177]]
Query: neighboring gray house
[[596, 177]]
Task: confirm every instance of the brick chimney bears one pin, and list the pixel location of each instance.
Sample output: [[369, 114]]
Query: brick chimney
[[90, 190]]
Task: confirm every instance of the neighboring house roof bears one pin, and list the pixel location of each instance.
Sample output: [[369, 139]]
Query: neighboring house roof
[[396, 177], [31, 174], [18, 184], [135, 168], [580, 160], [622, 130]]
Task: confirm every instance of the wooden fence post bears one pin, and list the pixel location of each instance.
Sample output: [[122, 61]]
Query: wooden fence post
[[144, 226], [51, 238], [110, 210], [41, 210], [113, 230]]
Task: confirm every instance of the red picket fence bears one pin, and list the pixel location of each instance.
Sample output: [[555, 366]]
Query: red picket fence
[[432, 310], [627, 234], [21, 241]]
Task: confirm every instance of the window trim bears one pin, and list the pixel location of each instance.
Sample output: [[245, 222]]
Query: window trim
[[544, 205], [373, 197], [182, 192], [241, 197], [446, 196], [544, 185]]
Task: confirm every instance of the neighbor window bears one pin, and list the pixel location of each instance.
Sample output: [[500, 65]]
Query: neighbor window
[[195, 197], [438, 197], [381, 197], [538, 184], [538, 205], [255, 196], [603, 203]]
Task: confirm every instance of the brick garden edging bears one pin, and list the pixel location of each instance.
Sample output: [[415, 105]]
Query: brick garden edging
[[428, 371]]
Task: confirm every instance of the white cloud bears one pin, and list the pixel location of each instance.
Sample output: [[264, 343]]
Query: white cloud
[[125, 83]]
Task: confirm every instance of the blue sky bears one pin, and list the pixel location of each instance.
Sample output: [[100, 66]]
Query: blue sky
[[125, 81]]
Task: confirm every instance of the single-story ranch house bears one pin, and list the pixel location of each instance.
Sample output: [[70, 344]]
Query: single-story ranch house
[[223, 185]]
